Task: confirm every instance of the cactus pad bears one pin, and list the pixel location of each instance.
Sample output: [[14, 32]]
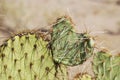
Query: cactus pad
[[68, 47], [106, 66], [25, 56], [83, 77]]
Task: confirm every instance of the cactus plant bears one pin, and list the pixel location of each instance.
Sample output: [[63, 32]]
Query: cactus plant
[[106, 66], [68, 47], [25, 56], [82, 77], [29, 56]]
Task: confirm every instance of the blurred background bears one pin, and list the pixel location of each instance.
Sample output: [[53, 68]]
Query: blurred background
[[99, 17]]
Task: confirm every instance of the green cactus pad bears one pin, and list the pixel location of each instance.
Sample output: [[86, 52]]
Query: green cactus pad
[[68, 47], [106, 66], [25, 56], [83, 77]]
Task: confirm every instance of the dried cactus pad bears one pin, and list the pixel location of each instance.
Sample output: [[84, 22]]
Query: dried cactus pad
[[26, 57], [106, 66], [68, 47], [83, 77]]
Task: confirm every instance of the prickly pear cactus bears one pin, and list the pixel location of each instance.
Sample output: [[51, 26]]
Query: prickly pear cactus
[[106, 66], [25, 56], [83, 77], [68, 47]]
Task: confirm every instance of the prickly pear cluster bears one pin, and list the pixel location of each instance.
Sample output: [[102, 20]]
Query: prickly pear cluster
[[68, 47], [31, 55], [106, 66], [25, 56]]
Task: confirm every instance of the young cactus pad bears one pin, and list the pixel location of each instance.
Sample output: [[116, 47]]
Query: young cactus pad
[[83, 77], [25, 56], [68, 47], [106, 66]]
